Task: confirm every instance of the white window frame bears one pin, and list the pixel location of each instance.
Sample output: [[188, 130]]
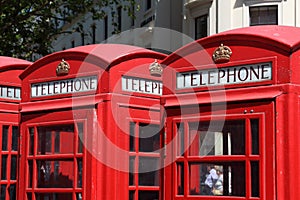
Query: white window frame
[[252, 3]]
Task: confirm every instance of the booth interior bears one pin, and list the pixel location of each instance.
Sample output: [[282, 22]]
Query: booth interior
[[216, 119]]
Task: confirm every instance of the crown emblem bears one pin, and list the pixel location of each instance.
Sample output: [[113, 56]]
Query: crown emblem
[[155, 69], [62, 68], [222, 54]]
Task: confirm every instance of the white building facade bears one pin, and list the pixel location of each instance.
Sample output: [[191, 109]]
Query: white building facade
[[188, 19]]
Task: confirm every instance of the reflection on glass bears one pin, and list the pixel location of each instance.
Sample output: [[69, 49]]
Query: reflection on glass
[[149, 137], [56, 139], [148, 195], [4, 137], [15, 136], [55, 174], [226, 179], [148, 171], [78, 196], [217, 138]]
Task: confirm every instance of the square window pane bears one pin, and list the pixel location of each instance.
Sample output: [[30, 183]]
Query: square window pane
[[149, 137], [131, 195], [148, 171], [56, 139], [55, 174], [217, 138], [227, 179]]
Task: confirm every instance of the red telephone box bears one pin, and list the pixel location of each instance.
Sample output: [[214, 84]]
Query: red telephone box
[[77, 109], [232, 109], [10, 91]]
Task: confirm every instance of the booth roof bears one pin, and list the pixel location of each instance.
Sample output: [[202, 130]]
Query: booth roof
[[7, 63], [286, 38], [108, 54]]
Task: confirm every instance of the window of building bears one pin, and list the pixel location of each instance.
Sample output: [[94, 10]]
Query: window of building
[[93, 33], [105, 27], [148, 4], [119, 28], [263, 15], [144, 161], [9, 161], [73, 43], [201, 26]]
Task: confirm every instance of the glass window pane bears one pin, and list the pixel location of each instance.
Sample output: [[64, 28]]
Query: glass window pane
[[255, 179], [78, 196], [149, 137], [263, 15], [4, 137], [201, 27], [55, 174], [12, 192], [3, 192], [3, 167], [30, 173], [79, 171], [31, 140], [148, 171], [255, 136], [148, 195], [180, 140], [226, 179], [180, 178], [217, 138], [132, 136], [80, 137], [13, 168], [29, 196], [131, 170], [56, 139], [53, 196], [15, 138], [131, 195]]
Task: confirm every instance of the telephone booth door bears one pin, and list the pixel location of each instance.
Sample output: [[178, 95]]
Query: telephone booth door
[[55, 155], [231, 153]]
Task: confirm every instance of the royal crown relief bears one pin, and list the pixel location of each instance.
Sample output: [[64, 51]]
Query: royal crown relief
[[222, 54]]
